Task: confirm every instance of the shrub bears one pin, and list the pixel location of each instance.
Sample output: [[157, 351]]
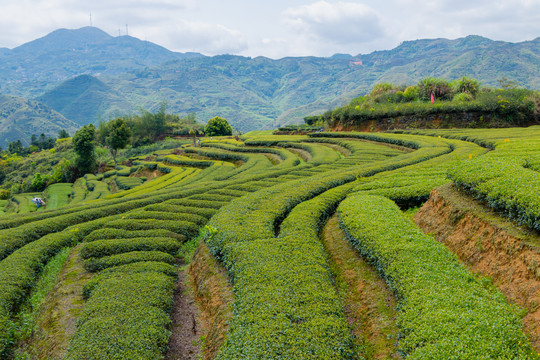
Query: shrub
[[4, 194], [440, 88], [435, 290], [101, 248], [466, 85], [411, 93], [462, 96], [217, 126], [126, 317], [98, 264]]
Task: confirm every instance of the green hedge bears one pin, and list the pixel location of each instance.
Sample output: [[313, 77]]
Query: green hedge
[[126, 317], [98, 264], [185, 161], [197, 203], [111, 233], [445, 312], [505, 185], [126, 183], [101, 248], [189, 229], [133, 268], [168, 207]]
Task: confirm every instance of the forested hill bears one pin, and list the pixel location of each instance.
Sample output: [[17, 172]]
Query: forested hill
[[21, 118], [252, 93]]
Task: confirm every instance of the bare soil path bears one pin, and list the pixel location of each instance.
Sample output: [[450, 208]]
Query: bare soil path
[[184, 343]]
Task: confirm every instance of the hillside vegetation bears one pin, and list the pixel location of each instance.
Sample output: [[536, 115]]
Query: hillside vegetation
[[122, 74], [436, 103], [19, 118], [259, 203]]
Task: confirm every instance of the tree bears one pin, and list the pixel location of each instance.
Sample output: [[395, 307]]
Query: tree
[[63, 134], [84, 146], [217, 126], [119, 135], [466, 85], [16, 147], [440, 88]]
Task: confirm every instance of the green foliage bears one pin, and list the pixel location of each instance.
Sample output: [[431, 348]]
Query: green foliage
[[184, 126], [148, 127], [463, 96], [412, 93], [434, 289], [39, 182], [217, 126], [4, 194], [58, 195], [105, 262], [126, 183], [440, 88], [84, 146], [265, 222], [101, 248], [111, 233], [466, 85], [63, 134], [126, 317], [118, 136]]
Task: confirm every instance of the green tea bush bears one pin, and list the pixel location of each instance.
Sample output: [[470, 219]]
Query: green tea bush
[[167, 207], [98, 264], [126, 183], [284, 309], [126, 317], [101, 248], [162, 215], [110, 233], [18, 274], [505, 185], [197, 203], [445, 312], [188, 229], [134, 268], [213, 197]]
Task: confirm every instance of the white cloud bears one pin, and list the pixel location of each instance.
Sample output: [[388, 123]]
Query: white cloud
[[210, 39], [339, 23], [278, 28], [496, 19]]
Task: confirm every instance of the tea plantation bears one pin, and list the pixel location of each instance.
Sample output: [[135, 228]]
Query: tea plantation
[[259, 205]]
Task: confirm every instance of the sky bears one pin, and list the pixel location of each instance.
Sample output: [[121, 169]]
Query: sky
[[274, 28]]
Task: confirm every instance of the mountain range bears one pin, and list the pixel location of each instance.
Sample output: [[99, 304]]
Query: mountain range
[[87, 75]]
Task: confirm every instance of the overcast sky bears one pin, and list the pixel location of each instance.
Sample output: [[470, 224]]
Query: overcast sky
[[274, 28]]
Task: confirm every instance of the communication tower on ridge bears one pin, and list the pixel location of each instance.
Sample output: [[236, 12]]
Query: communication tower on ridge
[[91, 19]]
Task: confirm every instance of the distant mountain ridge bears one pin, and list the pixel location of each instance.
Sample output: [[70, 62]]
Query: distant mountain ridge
[[86, 75]]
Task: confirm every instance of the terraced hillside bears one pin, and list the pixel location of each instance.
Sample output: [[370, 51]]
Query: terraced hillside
[[260, 205]]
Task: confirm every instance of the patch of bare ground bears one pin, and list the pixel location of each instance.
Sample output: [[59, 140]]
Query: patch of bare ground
[[490, 246], [202, 309], [370, 306], [58, 315], [184, 343]]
